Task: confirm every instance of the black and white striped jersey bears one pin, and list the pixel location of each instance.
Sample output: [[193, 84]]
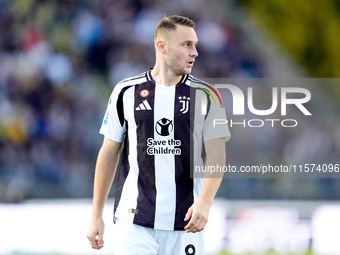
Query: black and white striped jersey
[[162, 129]]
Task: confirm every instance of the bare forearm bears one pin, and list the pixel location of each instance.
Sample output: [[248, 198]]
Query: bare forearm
[[210, 188], [213, 181], [104, 175], [198, 213]]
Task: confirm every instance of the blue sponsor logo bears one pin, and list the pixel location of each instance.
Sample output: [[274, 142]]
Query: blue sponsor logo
[[106, 118]]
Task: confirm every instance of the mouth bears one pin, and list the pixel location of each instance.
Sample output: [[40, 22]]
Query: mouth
[[191, 63]]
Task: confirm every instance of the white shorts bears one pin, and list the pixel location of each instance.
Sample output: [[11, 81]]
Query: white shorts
[[132, 239]]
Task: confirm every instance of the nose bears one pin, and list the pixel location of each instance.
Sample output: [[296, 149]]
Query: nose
[[194, 52]]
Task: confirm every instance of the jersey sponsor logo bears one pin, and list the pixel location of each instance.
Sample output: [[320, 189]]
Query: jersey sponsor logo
[[164, 127], [185, 104], [106, 120], [167, 146], [144, 106], [144, 93]]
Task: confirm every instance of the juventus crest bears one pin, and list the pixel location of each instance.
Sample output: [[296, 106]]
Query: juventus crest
[[185, 104]]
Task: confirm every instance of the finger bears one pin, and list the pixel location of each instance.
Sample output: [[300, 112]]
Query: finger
[[96, 243], [93, 243], [188, 214], [202, 225], [189, 225], [199, 225], [100, 241], [193, 224], [99, 244]]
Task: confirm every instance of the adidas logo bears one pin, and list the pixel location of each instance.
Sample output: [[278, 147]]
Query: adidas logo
[[144, 106]]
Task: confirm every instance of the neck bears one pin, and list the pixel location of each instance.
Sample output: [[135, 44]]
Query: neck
[[162, 75]]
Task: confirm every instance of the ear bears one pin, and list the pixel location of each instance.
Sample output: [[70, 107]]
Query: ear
[[160, 45]]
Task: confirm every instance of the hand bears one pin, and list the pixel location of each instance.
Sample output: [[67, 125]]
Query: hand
[[198, 214], [95, 233]]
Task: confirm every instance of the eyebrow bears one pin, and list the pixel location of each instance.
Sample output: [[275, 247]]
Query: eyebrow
[[189, 41]]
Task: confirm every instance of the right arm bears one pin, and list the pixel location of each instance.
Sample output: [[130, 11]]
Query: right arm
[[104, 174]]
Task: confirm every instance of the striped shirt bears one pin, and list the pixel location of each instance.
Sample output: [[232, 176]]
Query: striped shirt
[[162, 129]]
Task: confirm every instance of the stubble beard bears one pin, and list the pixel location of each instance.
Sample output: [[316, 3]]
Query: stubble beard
[[173, 66], [176, 69]]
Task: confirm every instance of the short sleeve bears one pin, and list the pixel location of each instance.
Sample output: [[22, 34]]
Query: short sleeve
[[112, 127], [216, 123]]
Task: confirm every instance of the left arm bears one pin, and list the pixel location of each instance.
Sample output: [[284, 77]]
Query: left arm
[[198, 213]]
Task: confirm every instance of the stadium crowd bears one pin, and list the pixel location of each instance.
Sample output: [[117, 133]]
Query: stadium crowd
[[59, 60]]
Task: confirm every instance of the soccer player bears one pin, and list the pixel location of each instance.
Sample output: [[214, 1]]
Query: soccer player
[[159, 125]]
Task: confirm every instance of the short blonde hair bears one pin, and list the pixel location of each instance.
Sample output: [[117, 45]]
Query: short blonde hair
[[169, 23]]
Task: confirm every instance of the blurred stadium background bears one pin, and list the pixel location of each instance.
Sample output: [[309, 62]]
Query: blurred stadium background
[[59, 60]]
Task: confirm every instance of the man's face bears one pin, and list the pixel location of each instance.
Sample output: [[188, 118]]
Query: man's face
[[181, 50]]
